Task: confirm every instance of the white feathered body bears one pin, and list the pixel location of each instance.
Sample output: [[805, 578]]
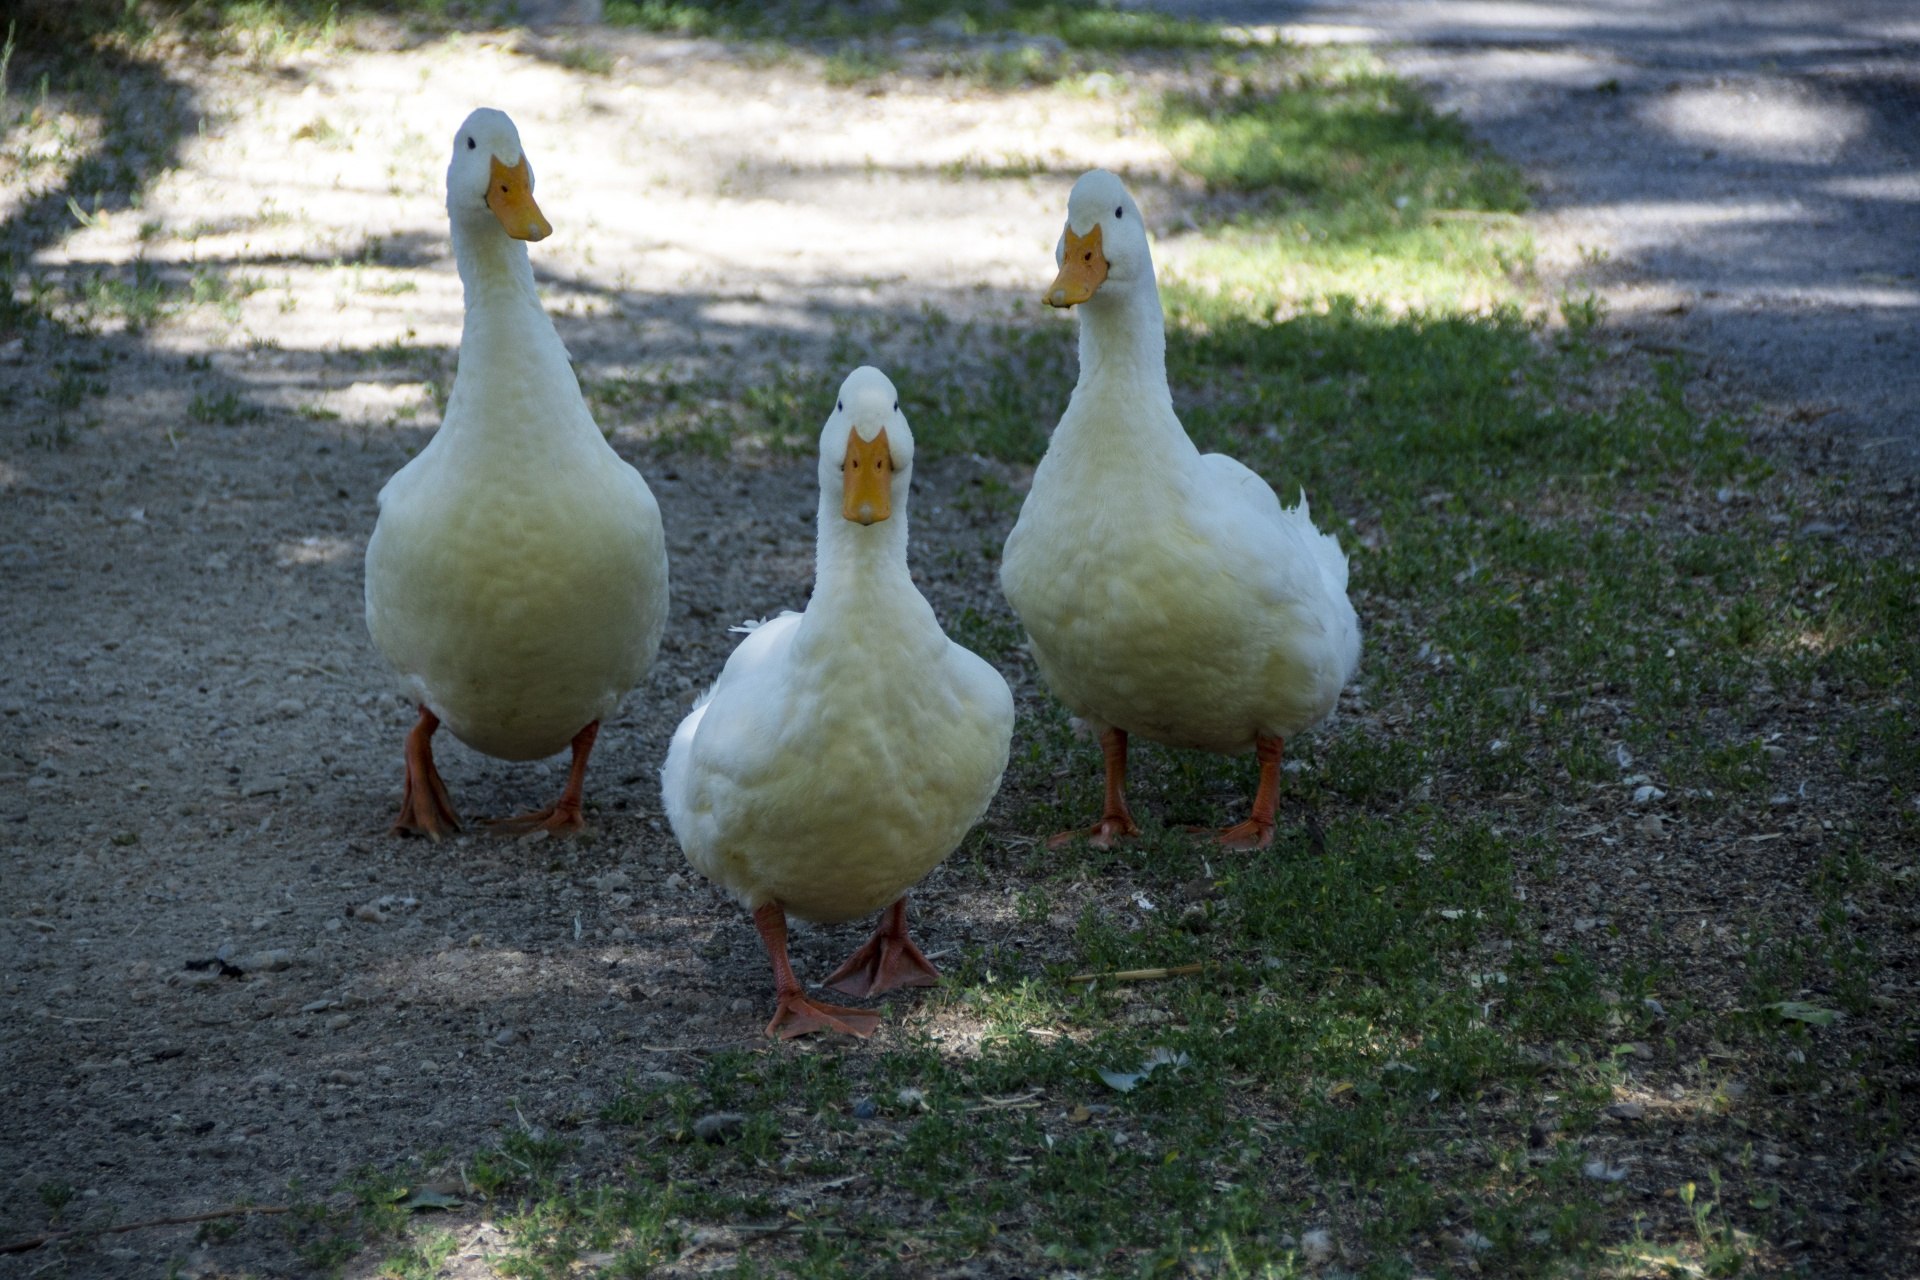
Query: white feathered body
[[517, 577], [1168, 593], [841, 755]]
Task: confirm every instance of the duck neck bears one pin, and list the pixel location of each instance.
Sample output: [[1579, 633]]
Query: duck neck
[[1123, 338], [494, 267], [858, 564], [511, 359]]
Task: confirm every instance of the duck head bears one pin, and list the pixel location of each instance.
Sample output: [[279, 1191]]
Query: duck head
[[866, 449], [490, 178], [1104, 243]]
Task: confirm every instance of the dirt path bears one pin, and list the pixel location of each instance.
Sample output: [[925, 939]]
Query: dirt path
[[202, 748], [1739, 180]]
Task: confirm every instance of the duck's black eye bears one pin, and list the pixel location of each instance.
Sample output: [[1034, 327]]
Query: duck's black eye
[[1119, 211], [896, 406], [470, 144], [840, 406]]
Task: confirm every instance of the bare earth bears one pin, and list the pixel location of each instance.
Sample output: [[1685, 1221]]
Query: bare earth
[[203, 749], [222, 977]]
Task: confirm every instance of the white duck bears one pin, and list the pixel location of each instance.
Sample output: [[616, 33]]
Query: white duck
[[517, 576], [844, 751], [1166, 592]]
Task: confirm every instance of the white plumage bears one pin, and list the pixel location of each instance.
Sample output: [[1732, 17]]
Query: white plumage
[[844, 751], [517, 576], [1166, 593]]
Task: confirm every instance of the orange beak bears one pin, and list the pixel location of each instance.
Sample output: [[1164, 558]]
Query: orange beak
[[1083, 269], [510, 196], [867, 473]]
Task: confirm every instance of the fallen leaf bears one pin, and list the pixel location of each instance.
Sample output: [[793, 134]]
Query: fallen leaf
[[428, 1198], [1127, 1081], [1801, 1011]]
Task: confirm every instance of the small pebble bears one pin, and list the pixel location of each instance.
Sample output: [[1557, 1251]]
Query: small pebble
[[1600, 1171], [719, 1126], [1316, 1245], [864, 1109], [339, 1022], [1627, 1111]]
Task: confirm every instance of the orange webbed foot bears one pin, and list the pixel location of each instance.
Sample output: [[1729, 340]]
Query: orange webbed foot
[[425, 808], [1246, 836], [799, 1014], [426, 811], [563, 817], [1100, 835], [887, 960], [560, 819]]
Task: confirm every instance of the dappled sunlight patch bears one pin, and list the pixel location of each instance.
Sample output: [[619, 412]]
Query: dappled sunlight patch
[[379, 402], [319, 550], [1772, 120]]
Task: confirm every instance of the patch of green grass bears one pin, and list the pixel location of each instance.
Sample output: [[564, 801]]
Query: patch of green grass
[[1344, 182], [852, 66], [587, 58], [1103, 26], [227, 409]]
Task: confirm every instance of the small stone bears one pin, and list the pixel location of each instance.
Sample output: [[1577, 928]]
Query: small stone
[[505, 1036], [1194, 918], [1652, 826], [676, 881], [370, 912], [1646, 792], [864, 1109], [339, 1022], [1627, 1111], [1316, 1245], [1601, 1171], [1473, 1242], [911, 1098], [343, 1077], [290, 707], [271, 961], [719, 1126]]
